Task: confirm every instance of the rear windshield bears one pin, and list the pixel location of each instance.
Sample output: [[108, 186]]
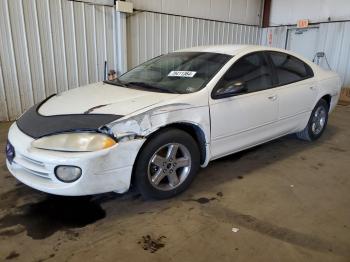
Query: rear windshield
[[178, 72]]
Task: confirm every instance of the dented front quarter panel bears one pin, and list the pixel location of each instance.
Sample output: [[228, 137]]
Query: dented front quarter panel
[[187, 109]]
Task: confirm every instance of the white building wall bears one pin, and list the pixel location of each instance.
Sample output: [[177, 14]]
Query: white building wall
[[51, 46], [236, 11], [333, 39], [286, 12], [152, 34]]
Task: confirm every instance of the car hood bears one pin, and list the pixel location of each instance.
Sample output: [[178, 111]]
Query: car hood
[[102, 98]]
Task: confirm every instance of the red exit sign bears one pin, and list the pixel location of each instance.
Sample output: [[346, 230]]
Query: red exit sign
[[303, 23]]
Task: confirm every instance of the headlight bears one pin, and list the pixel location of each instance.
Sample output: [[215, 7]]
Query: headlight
[[75, 142]]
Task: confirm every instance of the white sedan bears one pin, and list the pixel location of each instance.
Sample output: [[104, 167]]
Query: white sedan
[[158, 123]]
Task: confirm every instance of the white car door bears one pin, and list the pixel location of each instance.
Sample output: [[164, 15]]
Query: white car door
[[296, 90], [243, 108]]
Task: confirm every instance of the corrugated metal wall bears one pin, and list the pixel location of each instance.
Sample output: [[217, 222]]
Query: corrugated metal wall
[[274, 36], [50, 46], [333, 39], [234, 11], [316, 11], [151, 34]]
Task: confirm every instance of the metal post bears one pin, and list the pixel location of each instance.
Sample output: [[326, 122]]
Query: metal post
[[121, 41]]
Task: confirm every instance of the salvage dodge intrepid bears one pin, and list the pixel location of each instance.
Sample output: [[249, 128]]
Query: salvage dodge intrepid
[[154, 126]]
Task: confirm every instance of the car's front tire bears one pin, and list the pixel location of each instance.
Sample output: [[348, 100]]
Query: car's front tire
[[317, 122], [167, 164]]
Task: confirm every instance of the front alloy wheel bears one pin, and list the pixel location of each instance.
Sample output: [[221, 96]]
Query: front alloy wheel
[[166, 164], [169, 167]]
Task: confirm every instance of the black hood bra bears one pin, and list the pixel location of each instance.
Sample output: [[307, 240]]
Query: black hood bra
[[36, 125]]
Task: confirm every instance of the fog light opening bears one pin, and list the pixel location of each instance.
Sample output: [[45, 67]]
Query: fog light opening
[[10, 152], [68, 174]]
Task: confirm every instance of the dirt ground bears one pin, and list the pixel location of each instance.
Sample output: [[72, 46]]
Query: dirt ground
[[287, 200]]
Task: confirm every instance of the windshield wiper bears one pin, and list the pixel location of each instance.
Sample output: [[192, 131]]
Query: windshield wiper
[[118, 82], [142, 84], [115, 82]]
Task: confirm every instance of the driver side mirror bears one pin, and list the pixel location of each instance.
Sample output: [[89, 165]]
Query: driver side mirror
[[231, 89]]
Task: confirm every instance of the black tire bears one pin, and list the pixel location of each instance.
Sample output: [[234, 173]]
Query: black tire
[[142, 177], [307, 133]]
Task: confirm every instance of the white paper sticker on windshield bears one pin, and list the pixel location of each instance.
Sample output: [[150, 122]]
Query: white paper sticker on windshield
[[182, 73]]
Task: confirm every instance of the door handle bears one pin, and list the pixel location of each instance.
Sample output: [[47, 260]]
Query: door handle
[[273, 97]]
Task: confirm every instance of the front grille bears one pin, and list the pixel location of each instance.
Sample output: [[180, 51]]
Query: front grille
[[31, 166]]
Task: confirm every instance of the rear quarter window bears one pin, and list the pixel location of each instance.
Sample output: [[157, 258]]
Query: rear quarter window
[[289, 69]]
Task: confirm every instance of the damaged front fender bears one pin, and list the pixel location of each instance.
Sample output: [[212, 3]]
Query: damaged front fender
[[143, 124]]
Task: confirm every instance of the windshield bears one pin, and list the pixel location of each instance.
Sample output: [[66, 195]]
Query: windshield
[[178, 72]]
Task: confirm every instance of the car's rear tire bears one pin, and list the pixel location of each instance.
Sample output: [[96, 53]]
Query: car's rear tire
[[167, 164], [317, 122]]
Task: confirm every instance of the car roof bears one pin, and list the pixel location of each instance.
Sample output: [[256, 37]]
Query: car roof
[[229, 49], [234, 50]]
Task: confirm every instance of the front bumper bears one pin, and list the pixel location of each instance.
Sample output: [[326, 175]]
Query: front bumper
[[102, 171]]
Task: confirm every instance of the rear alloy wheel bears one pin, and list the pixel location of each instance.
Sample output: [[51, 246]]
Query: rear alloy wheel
[[167, 164], [317, 122]]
